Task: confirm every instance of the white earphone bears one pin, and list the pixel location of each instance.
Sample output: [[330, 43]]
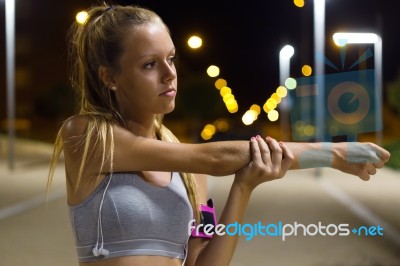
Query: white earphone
[[100, 251], [97, 251]]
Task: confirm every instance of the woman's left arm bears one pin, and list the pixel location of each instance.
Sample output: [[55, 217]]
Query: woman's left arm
[[268, 162]]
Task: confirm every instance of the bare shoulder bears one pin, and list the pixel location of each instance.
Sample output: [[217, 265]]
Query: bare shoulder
[[73, 135], [77, 126], [74, 126]]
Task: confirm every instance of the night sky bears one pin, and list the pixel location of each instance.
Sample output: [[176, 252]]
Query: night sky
[[244, 37]]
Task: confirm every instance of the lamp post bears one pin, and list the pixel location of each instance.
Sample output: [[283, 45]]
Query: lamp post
[[10, 73], [285, 55], [319, 51], [344, 38]]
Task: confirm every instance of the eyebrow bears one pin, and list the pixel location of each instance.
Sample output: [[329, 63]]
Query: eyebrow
[[145, 55]]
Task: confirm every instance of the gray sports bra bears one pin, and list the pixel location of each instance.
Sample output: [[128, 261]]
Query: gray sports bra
[[127, 216]]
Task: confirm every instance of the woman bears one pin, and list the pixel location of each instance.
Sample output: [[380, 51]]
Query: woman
[[128, 204]]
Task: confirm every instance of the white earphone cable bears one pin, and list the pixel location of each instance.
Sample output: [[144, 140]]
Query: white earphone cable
[[96, 249]]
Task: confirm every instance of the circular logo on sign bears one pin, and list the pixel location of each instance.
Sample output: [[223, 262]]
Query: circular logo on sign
[[358, 95]]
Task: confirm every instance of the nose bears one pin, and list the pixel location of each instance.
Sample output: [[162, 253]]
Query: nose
[[169, 73]]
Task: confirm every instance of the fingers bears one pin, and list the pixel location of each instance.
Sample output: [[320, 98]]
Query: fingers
[[270, 159], [264, 150], [288, 157], [256, 155], [379, 164], [383, 154], [367, 170], [361, 159], [371, 170], [364, 176], [276, 151], [282, 157]]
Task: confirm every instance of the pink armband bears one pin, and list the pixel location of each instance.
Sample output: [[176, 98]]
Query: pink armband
[[208, 218]]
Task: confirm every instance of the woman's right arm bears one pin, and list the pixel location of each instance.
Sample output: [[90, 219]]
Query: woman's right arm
[[135, 153]]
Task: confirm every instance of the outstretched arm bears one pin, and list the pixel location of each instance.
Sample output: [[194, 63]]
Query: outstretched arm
[[272, 161], [135, 153], [268, 162]]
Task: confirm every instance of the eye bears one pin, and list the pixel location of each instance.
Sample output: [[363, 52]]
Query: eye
[[150, 65], [172, 59]]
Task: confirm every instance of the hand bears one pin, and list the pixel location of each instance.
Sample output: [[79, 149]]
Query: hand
[[359, 159], [269, 160]]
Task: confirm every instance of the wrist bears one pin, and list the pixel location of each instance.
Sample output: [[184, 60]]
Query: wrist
[[242, 188], [317, 155]]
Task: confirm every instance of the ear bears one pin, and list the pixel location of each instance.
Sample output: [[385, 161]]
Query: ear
[[107, 77]]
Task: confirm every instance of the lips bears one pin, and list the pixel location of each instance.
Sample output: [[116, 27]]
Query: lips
[[169, 93]]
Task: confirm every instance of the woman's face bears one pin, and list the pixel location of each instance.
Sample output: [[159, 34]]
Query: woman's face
[[147, 81]]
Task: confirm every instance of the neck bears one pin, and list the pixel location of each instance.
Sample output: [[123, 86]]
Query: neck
[[144, 128]]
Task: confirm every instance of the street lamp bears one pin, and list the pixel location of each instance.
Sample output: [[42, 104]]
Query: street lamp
[[285, 55], [284, 63], [195, 42], [344, 38], [10, 73]]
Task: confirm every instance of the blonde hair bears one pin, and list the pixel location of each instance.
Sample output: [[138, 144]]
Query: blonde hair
[[98, 42]]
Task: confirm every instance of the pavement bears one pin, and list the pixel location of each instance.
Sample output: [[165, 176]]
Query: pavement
[[37, 232]]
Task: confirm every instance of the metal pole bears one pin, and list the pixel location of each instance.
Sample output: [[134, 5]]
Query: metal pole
[[284, 105], [378, 87], [319, 52], [10, 73]]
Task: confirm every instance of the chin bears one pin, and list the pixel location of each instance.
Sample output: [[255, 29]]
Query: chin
[[169, 109]]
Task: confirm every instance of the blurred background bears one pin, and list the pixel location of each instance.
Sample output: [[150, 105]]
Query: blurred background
[[243, 40], [234, 60]]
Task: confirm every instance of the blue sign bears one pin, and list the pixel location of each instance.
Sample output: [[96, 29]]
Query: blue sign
[[350, 105]]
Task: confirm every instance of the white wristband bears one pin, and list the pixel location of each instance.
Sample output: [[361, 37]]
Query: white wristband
[[317, 158]]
